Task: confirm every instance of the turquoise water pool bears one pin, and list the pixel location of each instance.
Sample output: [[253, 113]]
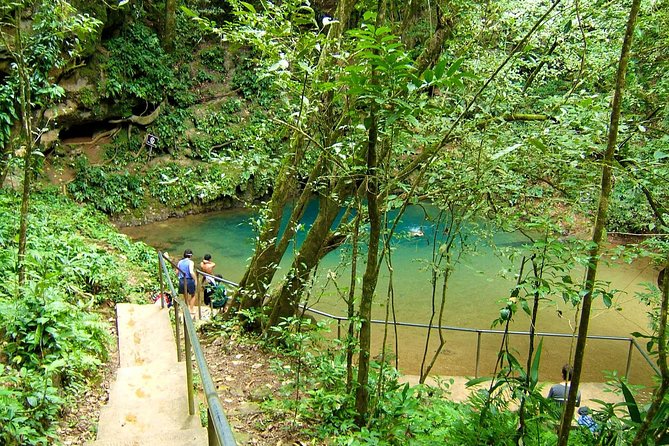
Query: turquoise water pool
[[473, 295]]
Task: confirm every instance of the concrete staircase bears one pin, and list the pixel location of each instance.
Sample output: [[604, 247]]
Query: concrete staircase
[[148, 402]]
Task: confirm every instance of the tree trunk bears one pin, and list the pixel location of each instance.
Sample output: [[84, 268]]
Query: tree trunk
[[600, 225], [310, 253], [26, 116], [350, 300], [370, 276], [661, 391], [433, 47], [538, 275], [537, 69], [269, 250], [170, 28], [269, 247]]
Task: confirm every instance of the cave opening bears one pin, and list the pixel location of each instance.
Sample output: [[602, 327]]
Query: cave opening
[[84, 132]]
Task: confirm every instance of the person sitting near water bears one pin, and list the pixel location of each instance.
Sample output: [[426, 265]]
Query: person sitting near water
[[186, 273], [560, 392]]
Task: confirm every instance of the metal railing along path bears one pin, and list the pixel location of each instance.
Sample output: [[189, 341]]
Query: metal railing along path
[[633, 344], [218, 428]]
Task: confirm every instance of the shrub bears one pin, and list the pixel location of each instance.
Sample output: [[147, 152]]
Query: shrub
[[52, 345], [110, 192]]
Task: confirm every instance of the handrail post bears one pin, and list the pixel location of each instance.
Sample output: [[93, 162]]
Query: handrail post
[[177, 329], [338, 328], [162, 284], [629, 360], [211, 431], [189, 372], [199, 280], [478, 353]]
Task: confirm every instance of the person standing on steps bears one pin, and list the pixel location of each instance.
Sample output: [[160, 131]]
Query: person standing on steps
[[560, 392], [186, 273], [207, 266]]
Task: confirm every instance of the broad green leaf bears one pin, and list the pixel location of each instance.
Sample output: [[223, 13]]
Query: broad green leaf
[[506, 151], [454, 67], [534, 370], [439, 69], [428, 75], [248, 6], [631, 404], [536, 142]]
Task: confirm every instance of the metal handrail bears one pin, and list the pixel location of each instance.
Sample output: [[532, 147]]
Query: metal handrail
[[479, 332], [633, 343], [218, 428]]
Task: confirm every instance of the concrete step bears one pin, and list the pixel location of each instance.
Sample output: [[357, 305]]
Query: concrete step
[[151, 382], [145, 335], [167, 437], [151, 418]]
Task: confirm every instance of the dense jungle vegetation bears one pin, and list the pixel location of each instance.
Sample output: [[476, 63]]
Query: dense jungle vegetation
[[544, 117]]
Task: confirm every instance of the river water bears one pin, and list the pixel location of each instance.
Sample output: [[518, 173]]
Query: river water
[[474, 297]]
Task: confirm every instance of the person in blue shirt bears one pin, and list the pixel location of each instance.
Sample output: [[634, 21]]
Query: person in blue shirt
[[585, 420], [186, 273]]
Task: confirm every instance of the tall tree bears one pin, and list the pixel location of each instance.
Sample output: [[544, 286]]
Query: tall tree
[[600, 223]]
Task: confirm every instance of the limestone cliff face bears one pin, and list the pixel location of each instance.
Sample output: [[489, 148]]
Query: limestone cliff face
[[202, 101]]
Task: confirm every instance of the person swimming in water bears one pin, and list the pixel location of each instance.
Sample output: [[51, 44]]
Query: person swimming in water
[[416, 232]]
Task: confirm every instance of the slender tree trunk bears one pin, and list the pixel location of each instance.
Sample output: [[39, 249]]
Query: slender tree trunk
[[600, 225], [538, 274], [343, 15], [26, 116], [538, 68], [435, 44], [661, 391], [370, 276], [350, 301], [410, 15]]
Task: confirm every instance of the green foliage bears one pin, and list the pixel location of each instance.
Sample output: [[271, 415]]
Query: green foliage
[[55, 36], [214, 58], [178, 185], [170, 128], [52, 344], [28, 407], [251, 84], [138, 68], [110, 192], [8, 113], [313, 371], [53, 341], [79, 243]]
